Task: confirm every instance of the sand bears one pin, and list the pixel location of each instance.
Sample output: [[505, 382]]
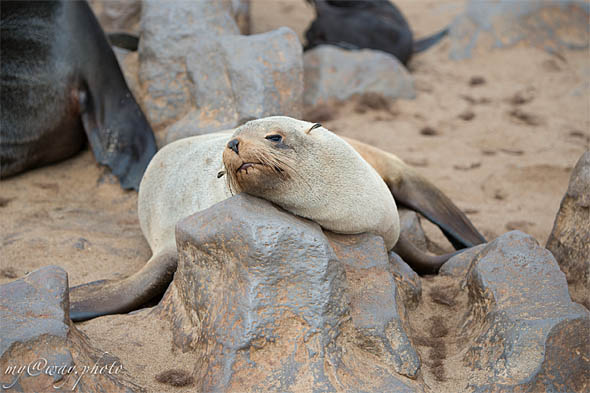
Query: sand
[[502, 149]]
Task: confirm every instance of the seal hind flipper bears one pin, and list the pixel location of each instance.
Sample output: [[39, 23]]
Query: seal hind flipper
[[412, 190], [417, 193], [421, 262], [426, 42], [99, 298]]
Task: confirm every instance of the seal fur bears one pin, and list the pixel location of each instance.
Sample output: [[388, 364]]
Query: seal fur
[[315, 175], [60, 80], [257, 162]]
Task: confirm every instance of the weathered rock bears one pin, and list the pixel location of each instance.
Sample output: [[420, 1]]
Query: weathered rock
[[333, 74], [237, 78], [570, 238], [410, 225], [129, 63], [169, 32], [37, 332], [241, 13], [118, 15], [268, 302], [547, 24], [458, 265], [528, 333], [407, 281]]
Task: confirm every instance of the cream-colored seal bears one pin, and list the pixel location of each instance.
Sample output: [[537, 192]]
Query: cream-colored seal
[[315, 174], [302, 167]]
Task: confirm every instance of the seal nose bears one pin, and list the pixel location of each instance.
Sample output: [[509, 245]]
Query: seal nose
[[233, 144]]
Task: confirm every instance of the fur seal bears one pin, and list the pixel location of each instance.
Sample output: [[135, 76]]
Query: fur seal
[[60, 80], [297, 165], [358, 24]]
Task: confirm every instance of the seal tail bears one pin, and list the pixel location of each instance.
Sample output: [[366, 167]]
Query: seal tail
[[425, 43], [100, 298], [418, 260]]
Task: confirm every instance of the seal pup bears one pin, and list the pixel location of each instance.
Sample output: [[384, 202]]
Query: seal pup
[[297, 165], [60, 81], [358, 24]]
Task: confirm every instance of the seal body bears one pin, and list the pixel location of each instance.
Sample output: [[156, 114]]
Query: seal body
[[180, 180], [323, 179], [61, 85], [345, 187]]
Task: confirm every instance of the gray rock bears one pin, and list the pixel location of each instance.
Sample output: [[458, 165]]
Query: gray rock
[[333, 74], [241, 13], [570, 238], [237, 78], [374, 305], [129, 64], [527, 331], [36, 330], [268, 302], [409, 224], [458, 265], [117, 15], [170, 30], [552, 25], [408, 281]]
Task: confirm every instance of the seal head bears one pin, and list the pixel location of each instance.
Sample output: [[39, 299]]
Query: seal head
[[311, 172]]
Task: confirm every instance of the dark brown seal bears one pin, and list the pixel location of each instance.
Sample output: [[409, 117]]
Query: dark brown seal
[[372, 24], [61, 84]]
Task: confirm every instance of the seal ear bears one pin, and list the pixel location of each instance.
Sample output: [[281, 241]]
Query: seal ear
[[316, 125]]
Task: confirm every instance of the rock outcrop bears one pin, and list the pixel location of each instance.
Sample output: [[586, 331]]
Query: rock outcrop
[[196, 68], [269, 302], [41, 350], [570, 238], [239, 78], [333, 74], [528, 334]]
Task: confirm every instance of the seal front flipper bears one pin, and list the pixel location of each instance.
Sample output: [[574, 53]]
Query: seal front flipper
[[99, 298], [124, 142], [117, 130]]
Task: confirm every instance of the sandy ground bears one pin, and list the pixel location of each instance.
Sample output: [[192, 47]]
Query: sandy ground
[[502, 150]]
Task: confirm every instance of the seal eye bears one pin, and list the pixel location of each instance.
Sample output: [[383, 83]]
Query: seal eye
[[274, 137]]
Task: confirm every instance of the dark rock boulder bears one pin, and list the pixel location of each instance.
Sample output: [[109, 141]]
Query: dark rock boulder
[[268, 302], [527, 333], [41, 350], [570, 238]]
